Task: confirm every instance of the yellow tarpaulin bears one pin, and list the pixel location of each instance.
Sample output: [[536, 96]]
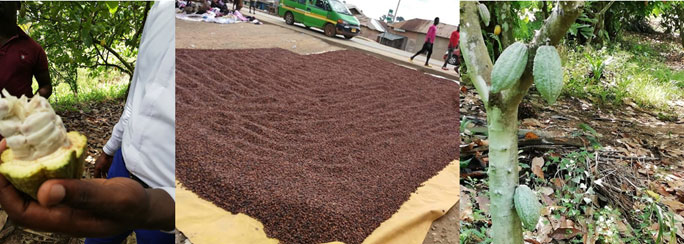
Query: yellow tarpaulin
[[205, 223]]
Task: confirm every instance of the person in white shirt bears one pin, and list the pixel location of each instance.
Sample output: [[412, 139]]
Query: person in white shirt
[[142, 145]]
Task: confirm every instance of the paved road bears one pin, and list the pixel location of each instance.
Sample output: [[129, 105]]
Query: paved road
[[394, 55]]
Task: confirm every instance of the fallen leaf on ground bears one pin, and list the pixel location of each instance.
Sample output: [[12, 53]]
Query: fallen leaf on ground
[[481, 142], [466, 208], [537, 164], [483, 203], [558, 182], [565, 233], [544, 231], [531, 136], [545, 190], [531, 122], [673, 204]]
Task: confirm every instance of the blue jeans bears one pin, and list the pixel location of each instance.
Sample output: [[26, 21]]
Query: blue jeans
[[118, 169]]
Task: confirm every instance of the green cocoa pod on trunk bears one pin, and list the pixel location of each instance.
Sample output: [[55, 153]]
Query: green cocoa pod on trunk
[[527, 206], [548, 73], [509, 67], [484, 13]]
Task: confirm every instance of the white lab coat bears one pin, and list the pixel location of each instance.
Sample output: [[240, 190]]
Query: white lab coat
[[146, 130]]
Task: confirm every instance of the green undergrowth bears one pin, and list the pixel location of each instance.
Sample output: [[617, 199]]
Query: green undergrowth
[[632, 70], [91, 89], [571, 189]]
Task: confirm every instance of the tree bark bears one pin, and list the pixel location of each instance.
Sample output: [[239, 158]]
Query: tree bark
[[474, 50], [502, 124], [502, 110], [505, 14], [600, 23], [681, 24]]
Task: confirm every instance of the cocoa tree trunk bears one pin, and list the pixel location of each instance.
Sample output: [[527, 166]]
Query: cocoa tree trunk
[[502, 124], [502, 110]]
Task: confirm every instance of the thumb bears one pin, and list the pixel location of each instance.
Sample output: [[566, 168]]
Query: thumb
[[81, 193]]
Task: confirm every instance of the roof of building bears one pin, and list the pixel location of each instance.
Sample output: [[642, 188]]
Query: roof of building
[[390, 36], [422, 26], [372, 24]]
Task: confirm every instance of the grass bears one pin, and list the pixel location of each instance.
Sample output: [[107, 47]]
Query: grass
[[634, 70], [97, 88]]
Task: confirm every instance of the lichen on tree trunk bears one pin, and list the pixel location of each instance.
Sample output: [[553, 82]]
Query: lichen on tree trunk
[[502, 126]]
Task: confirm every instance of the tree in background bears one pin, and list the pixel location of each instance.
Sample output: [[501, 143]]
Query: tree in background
[[633, 16], [673, 18], [502, 105], [93, 35], [602, 21]]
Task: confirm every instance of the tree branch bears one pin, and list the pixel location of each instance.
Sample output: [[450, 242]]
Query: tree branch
[[111, 65], [121, 59], [474, 50], [142, 25], [554, 29], [107, 64]]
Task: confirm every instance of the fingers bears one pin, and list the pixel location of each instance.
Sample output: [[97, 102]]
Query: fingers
[[28, 213], [109, 197], [97, 172], [87, 194], [10, 199], [62, 219], [77, 207], [99, 164], [102, 165]]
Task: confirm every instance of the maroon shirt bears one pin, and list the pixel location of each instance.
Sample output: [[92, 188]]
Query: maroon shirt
[[20, 59]]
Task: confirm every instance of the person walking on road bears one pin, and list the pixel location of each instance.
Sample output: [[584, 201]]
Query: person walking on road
[[252, 6], [453, 45], [237, 5], [429, 41]]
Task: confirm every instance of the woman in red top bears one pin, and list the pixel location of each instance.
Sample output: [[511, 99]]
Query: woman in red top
[[453, 44]]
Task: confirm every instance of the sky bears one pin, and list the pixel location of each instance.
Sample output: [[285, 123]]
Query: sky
[[446, 10]]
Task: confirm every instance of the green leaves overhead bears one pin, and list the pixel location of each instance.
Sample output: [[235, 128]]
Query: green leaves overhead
[[92, 35], [113, 6]]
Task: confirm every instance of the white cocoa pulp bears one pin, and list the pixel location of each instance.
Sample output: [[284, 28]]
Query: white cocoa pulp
[[31, 128]]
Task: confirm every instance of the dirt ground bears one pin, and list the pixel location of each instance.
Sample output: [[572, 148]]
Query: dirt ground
[[200, 35]]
